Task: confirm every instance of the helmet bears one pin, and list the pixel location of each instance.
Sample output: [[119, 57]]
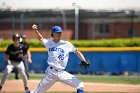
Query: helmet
[[56, 29], [23, 36], [16, 36]]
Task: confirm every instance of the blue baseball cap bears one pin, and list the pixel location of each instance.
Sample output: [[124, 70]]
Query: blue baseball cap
[[56, 29]]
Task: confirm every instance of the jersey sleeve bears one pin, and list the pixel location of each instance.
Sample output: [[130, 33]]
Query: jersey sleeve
[[71, 47], [44, 42]]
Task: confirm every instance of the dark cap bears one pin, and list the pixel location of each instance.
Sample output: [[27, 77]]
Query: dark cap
[[16, 36]]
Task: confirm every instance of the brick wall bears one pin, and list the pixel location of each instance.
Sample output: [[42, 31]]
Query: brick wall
[[117, 30], [7, 34]]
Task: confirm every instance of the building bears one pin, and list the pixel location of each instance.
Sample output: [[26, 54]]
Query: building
[[90, 19], [92, 25]]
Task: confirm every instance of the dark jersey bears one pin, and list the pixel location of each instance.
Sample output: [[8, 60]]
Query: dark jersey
[[15, 53], [25, 47]]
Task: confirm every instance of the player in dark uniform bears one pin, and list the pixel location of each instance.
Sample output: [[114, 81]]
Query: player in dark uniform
[[14, 58], [26, 56]]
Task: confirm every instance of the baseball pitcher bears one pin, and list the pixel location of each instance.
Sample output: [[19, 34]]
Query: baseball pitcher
[[58, 53]]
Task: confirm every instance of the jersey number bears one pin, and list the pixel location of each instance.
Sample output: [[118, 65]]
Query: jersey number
[[61, 57]]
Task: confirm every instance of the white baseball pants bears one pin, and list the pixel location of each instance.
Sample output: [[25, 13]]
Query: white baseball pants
[[52, 76]]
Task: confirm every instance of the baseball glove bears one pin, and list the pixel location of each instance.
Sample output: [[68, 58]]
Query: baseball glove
[[84, 64]]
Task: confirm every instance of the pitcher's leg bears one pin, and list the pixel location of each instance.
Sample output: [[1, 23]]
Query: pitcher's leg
[[48, 80], [72, 81], [44, 85]]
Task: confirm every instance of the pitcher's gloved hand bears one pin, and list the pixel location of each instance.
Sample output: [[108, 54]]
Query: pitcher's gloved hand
[[84, 64]]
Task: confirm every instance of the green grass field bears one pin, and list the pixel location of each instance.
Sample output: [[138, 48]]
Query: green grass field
[[135, 79]]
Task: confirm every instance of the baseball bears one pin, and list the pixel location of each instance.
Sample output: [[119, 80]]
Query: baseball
[[34, 27]]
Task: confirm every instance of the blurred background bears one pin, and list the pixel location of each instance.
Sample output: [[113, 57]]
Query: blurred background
[[80, 20], [91, 19]]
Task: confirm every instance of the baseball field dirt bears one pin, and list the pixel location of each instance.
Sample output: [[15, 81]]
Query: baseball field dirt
[[17, 86]]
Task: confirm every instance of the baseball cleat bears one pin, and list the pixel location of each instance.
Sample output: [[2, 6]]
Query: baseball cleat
[[27, 92], [27, 89]]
